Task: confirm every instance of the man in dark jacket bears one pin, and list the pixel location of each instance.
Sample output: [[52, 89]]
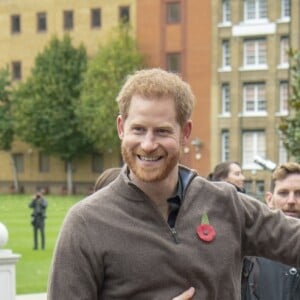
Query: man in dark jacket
[[265, 279], [38, 216]]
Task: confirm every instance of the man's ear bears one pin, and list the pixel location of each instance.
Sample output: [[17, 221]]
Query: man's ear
[[186, 132], [120, 126], [269, 199]]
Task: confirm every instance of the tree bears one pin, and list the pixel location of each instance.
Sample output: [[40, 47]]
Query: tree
[[6, 120], [290, 125], [105, 75], [45, 103]]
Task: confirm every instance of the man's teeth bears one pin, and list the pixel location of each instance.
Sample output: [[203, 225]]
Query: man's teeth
[[147, 158]]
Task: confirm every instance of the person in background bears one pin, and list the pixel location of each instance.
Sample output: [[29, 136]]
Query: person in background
[[106, 177], [229, 171], [38, 205], [160, 231], [264, 279]]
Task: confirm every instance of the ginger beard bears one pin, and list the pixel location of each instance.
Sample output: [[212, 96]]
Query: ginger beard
[[148, 173]]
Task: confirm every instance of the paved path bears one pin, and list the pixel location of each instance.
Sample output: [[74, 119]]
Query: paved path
[[32, 297]]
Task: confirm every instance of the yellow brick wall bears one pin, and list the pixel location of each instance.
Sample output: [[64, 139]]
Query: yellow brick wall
[[25, 46]]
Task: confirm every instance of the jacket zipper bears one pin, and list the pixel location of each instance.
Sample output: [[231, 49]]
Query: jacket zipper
[[174, 235]]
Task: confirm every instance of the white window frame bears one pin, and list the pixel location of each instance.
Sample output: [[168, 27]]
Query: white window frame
[[258, 9], [255, 53], [284, 46], [225, 152], [282, 152], [226, 58], [226, 12], [225, 99], [285, 10], [283, 97], [255, 102], [254, 143]]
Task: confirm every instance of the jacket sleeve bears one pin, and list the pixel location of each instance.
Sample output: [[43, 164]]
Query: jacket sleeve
[[31, 204], [44, 203], [270, 233], [74, 273]]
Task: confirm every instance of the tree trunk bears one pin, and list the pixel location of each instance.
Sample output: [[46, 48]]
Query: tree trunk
[[69, 178], [15, 173]]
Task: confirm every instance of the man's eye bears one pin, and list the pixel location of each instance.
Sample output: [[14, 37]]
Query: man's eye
[[138, 129], [163, 131], [283, 193], [297, 194]]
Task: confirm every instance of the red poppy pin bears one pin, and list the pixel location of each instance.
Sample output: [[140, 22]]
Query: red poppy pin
[[205, 231]]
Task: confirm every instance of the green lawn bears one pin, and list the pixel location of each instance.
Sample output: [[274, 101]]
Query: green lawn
[[33, 267]]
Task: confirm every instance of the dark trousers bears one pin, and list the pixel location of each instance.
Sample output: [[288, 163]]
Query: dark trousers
[[37, 229]]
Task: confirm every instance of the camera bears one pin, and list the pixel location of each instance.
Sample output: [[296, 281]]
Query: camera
[[265, 163]]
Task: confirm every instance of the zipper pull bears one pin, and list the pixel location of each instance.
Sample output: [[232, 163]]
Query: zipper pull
[[174, 234]]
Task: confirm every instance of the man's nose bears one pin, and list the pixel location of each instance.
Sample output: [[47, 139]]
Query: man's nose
[[291, 198], [149, 142]]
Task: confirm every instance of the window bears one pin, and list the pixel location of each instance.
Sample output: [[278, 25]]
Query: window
[[124, 14], [283, 154], [174, 62], [260, 189], [225, 100], [15, 23], [173, 12], [284, 46], [254, 98], [255, 188], [18, 159], [285, 9], [16, 70], [44, 163], [225, 54], [255, 10], [225, 145], [283, 97], [255, 53], [41, 21], [68, 19], [226, 12], [97, 163], [96, 18], [254, 143]]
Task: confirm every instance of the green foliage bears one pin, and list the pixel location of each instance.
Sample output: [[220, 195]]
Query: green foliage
[[290, 125], [32, 269], [45, 104], [6, 118], [106, 73]]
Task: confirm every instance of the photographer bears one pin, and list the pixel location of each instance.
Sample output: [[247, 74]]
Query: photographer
[[39, 206]]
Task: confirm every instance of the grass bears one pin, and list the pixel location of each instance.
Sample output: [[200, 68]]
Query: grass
[[32, 269]]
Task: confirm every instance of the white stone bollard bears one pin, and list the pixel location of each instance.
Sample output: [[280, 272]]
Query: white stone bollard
[[8, 262]]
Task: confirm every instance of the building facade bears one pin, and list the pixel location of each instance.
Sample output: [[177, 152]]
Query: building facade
[[250, 82], [232, 52], [26, 28], [176, 35]]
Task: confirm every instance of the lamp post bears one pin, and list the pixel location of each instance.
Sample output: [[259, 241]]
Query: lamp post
[[197, 143]]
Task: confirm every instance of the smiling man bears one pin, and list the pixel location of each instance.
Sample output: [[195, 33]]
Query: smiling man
[[159, 231]]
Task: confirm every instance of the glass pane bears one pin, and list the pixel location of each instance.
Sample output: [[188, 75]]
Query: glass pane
[[173, 12]]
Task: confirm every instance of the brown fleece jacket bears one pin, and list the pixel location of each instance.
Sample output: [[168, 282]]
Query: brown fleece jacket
[[116, 245]]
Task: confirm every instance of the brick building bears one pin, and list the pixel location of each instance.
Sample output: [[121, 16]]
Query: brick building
[[250, 82], [26, 28]]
